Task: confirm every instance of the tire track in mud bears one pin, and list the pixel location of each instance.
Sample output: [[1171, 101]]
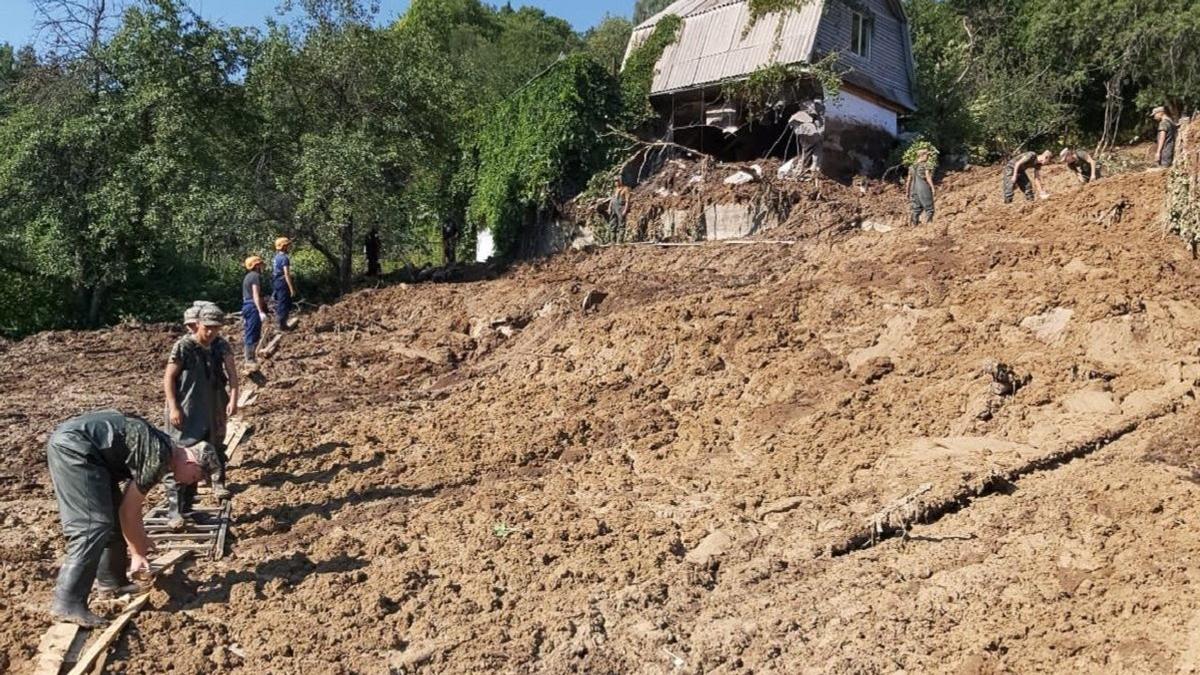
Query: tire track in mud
[[910, 510]]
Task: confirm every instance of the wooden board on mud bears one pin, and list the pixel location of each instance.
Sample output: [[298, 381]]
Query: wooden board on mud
[[57, 644]]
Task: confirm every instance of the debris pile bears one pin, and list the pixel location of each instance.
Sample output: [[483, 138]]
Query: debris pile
[[640, 458]]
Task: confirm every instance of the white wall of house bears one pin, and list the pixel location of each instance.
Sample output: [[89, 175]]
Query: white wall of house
[[853, 109], [485, 246]]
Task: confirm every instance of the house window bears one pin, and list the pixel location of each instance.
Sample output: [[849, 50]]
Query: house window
[[860, 34]]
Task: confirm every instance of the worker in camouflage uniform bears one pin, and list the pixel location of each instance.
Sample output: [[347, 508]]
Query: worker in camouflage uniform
[[89, 456], [920, 187], [1168, 130], [1081, 163], [198, 371], [1015, 175]]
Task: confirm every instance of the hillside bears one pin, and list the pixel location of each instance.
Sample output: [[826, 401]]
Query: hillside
[[720, 463]]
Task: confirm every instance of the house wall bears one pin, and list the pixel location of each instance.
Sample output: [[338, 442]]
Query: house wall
[[886, 71], [852, 109], [859, 135]]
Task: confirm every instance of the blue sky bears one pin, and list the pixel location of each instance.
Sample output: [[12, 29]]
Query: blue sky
[[17, 19]]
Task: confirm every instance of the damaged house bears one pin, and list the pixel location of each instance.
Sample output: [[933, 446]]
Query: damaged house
[[718, 43]]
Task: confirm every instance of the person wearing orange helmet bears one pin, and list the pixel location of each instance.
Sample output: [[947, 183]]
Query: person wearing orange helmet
[[254, 308], [284, 290]]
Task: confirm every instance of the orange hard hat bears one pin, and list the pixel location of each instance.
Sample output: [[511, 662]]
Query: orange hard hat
[[281, 242], [252, 262]]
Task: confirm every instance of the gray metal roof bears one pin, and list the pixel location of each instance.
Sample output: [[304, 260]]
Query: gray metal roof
[[711, 46]]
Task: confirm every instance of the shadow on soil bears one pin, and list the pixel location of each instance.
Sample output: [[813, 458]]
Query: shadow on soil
[[269, 577]]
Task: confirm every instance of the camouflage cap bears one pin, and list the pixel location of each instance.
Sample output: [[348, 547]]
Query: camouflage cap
[[206, 457], [208, 313], [191, 315]]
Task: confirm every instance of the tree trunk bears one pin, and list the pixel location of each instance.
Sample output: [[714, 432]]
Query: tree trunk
[[346, 269], [1114, 105], [91, 304]]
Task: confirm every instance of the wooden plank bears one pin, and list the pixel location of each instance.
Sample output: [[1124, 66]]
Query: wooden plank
[[232, 450], [245, 398], [183, 536], [105, 639], [188, 544], [219, 551], [271, 346], [156, 528], [52, 650]]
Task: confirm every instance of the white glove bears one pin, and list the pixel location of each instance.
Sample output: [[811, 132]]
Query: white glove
[[262, 317]]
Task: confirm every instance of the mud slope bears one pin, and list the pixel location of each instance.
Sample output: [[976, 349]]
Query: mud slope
[[707, 459]]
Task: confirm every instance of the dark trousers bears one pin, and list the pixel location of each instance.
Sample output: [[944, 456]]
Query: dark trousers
[[283, 306], [89, 499], [1021, 180], [920, 201], [810, 151], [251, 328]]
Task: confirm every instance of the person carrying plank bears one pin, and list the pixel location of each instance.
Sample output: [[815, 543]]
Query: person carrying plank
[[284, 290], [1080, 163], [197, 405], [89, 457], [254, 309], [1015, 175]]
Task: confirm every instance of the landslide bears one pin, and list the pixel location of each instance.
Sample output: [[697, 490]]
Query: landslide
[[645, 459]]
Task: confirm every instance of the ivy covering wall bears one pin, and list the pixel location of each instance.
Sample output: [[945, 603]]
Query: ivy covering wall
[[541, 145]]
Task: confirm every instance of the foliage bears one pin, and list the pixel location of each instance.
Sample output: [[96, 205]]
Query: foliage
[[915, 146], [644, 9], [607, 42], [769, 84], [540, 145], [112, 171], [486, 55], [1183, 187], [347, 116], [638, 76], [998, 77], [760, 8]]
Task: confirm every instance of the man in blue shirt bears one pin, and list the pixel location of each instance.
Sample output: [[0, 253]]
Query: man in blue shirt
[[284, 289]]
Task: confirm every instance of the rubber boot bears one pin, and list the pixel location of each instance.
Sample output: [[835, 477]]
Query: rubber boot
[[111, 578], [70, 597], [175, 519], [219, 490], [187, 501]]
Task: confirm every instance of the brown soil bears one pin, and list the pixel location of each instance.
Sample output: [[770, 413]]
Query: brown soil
[[705, 471]]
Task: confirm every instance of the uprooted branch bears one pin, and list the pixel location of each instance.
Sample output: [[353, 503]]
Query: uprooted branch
[[641, 143]]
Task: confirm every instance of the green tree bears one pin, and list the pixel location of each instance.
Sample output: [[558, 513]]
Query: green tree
[[644, 9], [352, 120], [489, 55], [607, 40], [113, 168]]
